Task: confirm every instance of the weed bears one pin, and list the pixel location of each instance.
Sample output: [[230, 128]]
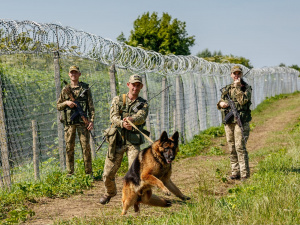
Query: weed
[[216, 151]]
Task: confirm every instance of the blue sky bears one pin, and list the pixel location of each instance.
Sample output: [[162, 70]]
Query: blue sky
[[265, 31]]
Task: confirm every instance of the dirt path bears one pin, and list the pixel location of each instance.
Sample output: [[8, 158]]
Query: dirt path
[[187, 173]]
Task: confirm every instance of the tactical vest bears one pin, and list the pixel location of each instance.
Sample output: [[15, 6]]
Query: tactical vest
[[244, 110], [83, 101], [133, 136]]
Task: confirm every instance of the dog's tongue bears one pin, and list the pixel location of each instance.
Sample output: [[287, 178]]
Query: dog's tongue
[[169, 161]]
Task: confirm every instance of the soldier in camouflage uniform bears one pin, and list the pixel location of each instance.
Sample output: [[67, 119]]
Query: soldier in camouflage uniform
[[67, 107], [128, 139], [240, 92]]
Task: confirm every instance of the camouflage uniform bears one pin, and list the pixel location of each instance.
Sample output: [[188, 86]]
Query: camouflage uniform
[[70, 126], [128, 141], [241, 95]]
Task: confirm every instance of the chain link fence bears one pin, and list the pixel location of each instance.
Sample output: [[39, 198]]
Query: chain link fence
[[34, 61]]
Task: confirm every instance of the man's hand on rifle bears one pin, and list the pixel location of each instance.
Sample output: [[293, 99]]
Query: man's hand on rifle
[[71, 104], [90, 126], [223, 105], [126, 125]]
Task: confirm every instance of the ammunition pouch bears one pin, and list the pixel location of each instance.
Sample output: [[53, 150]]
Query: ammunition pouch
[[62, 117], [113, 138], [134, 137], [245, 116]]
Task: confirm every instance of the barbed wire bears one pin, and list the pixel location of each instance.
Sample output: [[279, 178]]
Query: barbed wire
[[32, 37]]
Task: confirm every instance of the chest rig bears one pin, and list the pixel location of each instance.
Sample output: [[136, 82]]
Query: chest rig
[[244, 110], [83, 101], [133, 136]]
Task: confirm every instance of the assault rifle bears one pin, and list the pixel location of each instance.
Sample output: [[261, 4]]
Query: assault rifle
[[102, 142], [233, 112], [78, 109], [85, 90], [140, 105], [136, 108]]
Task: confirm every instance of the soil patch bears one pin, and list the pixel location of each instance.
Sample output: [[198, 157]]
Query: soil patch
[[186, 174]]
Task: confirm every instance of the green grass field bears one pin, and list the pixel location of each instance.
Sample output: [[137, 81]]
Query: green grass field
[[271, 196]]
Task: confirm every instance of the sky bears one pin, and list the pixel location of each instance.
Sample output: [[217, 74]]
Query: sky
[[267, 32]]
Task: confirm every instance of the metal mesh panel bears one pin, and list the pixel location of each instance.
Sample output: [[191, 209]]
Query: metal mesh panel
[[28, 85]]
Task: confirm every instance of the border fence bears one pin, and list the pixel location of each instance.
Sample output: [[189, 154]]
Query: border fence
[[35, 57]]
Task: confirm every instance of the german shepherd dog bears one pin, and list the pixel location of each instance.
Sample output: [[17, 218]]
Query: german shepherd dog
[[152, 167]]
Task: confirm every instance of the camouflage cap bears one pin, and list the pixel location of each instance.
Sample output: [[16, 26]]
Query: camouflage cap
[[135, 78], [74, 68], [236, 68]]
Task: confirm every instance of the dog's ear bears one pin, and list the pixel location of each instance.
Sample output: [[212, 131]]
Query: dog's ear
[[175, 137], [163, 137]]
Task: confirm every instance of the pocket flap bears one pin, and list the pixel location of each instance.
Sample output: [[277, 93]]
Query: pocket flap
[[110, 131]]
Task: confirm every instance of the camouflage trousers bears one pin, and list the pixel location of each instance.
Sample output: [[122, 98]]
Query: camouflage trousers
[[238, 153], [84, 137], [111, 167]]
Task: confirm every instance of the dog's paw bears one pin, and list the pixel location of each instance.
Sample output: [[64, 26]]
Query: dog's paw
[[184, 198], [168, 203], [166, 192]]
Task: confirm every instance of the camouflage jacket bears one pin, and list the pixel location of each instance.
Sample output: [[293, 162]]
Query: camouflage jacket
[[86, 103], [241, 95], [118, 111]]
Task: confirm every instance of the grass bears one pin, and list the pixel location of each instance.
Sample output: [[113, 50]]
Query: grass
[[201, 142], [54, 184], [271, 196]]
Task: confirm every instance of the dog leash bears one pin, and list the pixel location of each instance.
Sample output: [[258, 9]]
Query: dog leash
[[149, 139]]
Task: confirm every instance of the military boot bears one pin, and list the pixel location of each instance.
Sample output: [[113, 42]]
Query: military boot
[[235, 177]]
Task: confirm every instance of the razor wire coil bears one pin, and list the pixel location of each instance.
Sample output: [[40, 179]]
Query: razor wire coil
[[199, 82], [32, 37]]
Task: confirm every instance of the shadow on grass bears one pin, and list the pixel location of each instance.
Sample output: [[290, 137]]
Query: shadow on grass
[[295, 170]]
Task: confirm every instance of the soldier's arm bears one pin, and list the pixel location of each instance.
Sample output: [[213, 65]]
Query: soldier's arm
[[61, 102], [91, 108], [115, 116], [223, 99], [243, 97], [141, 115]]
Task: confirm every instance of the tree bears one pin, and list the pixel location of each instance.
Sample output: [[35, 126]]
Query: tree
[[220, 58], [282, 65], [121, 38], [162, 35], [206, 53], [296, 67]]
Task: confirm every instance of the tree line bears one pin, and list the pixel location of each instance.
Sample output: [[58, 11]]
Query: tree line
[[167, 36]]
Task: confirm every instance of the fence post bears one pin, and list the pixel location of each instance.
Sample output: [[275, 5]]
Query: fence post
[[60, 128], [164, 109], [3, 142], [145, 96], [1, 182], [158, 125], [112, 76], [174, 120], [92, 144], [179, 108], [36, 161]]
